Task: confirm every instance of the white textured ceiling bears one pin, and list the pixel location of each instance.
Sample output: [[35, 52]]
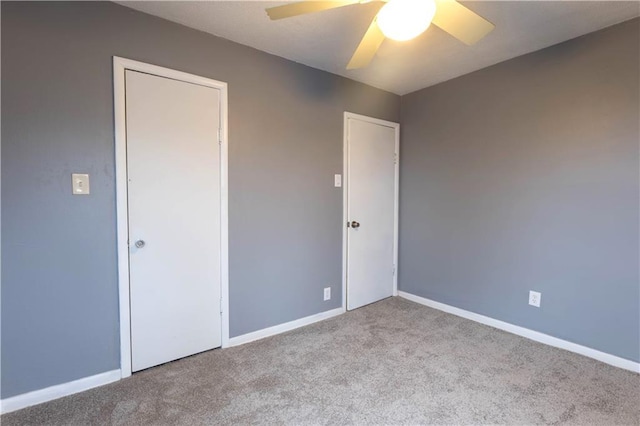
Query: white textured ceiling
[[326, 40]]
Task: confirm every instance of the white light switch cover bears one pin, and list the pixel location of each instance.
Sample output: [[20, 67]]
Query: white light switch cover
[[80, 184], [337, 181]]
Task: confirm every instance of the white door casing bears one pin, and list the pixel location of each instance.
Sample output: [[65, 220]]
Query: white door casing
[[174, 290], [371, 200]]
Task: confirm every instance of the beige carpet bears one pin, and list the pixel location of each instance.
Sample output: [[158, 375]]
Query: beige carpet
[[393, 362]]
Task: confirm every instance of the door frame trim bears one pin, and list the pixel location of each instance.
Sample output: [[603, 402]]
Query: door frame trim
[[345, 197], [120, 65]]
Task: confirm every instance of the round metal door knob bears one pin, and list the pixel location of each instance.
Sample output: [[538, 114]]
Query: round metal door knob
[[140, 243], [355, 224]]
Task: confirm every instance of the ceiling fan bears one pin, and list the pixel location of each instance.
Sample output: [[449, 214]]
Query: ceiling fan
[[399, 20]]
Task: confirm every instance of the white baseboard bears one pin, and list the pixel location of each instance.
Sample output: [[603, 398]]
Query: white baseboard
[[616, 361], [281, 328], [58, 391]]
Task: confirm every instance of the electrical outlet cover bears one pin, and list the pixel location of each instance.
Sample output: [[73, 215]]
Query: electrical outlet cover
[[535, 298]]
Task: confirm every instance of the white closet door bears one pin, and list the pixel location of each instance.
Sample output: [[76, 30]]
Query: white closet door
[[371, 210], [173, 166]]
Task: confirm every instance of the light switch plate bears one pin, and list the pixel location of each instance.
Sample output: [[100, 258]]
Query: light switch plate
[[337, 181], [80, 183]]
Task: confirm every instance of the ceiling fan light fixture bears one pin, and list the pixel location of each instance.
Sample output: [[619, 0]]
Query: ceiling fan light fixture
[[402, 20]]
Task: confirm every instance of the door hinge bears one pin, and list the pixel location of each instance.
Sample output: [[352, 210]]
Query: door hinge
[[221, 310], [395, 158], [394, 270], [220, 136]]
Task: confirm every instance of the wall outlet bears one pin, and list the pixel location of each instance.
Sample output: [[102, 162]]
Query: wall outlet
[[327, 293], [535, 298]]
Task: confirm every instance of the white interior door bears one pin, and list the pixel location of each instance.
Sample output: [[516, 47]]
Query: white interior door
[[371, 210], [173, 167]]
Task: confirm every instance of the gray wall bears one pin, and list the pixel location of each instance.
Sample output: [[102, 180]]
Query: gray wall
[[524, 176], [59, 285]]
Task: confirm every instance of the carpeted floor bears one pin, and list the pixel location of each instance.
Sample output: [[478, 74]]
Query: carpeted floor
[[393, 362]]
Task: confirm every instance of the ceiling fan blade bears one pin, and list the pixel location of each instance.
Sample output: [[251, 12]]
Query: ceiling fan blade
[[462, 23], [303, 7], [367, 48]]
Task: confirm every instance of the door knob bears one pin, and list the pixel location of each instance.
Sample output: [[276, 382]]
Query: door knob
[[140, 243], [355, 224]]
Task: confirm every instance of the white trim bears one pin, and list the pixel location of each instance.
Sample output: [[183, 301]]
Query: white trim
[[39, 396], [614, 360], [121, 214], [345, 212], [345, 197], [224, 214], [119, 67], [282, 328]]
